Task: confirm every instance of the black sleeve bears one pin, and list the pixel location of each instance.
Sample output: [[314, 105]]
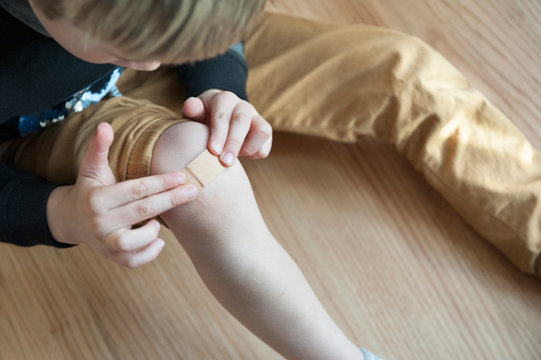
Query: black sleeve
[[36, 72], [23, 208], [226, 72]]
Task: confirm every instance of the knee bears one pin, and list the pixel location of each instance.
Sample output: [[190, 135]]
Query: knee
[[178, 146], [212, 208], [412, 61]]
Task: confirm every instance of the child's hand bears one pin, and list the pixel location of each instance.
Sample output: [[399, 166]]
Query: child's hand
[[236, 128], [99, 212]]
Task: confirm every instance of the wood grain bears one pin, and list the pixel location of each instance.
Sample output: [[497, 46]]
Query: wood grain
[[395, 266]]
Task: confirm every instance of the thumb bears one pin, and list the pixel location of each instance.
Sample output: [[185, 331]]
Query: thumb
[[95, 164], [194, 109]]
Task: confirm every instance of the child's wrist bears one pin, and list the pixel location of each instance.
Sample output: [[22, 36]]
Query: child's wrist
[[56, 205]]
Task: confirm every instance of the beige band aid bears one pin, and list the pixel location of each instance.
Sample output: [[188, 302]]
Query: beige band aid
[[203, 169]]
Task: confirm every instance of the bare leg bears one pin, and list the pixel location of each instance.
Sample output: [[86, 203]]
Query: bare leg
[[240, 261]]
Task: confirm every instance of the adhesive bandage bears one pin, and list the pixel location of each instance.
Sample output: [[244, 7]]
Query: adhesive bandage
[[203, 169]]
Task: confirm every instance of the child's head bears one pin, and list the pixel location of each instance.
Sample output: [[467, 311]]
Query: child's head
[[141, 34]]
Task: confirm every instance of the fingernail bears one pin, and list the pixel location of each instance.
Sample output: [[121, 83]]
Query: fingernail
[[161, 244], [228, 158], [191, 192], [217, 148], [157, 225], [180, 178]]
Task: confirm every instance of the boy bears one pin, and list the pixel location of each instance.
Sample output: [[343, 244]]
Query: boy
[[361, 80], [112, 186]]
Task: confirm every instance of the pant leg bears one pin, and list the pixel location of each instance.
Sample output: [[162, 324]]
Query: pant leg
[[344, 82], [56, 152]]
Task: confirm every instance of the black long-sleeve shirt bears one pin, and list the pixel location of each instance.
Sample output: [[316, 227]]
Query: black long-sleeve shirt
[[35, 74]]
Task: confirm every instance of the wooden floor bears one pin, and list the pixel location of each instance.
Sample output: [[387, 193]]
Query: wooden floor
[[396, 267]]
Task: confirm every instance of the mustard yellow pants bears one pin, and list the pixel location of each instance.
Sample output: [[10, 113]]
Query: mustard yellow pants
[[345, 82], [342, 83]]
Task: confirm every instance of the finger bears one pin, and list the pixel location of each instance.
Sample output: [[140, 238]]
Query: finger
[[259, 140], [133, 239], [194, 109], [238, 129], [94, 164], [131, 190], [263, 152], [151, 206], [222, 105], [133, 259]]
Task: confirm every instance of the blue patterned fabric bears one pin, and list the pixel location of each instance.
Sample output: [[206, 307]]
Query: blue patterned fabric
[[75, 103]]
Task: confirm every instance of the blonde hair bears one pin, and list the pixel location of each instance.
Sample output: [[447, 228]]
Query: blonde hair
[[171, 31]]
